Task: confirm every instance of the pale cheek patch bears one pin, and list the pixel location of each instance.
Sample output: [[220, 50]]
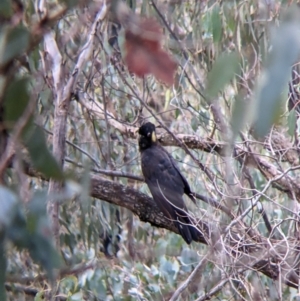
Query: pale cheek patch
[[153, 137]]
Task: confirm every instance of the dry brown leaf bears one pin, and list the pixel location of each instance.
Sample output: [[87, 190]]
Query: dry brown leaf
[[144, 54]]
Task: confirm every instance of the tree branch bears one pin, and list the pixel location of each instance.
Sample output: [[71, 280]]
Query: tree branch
[[268, 170], [265, 253], [138, 203]]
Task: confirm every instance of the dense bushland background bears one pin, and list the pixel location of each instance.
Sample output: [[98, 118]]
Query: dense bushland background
[[76, 220]]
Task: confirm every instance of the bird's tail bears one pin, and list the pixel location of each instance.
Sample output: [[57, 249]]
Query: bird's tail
[[187, 229]]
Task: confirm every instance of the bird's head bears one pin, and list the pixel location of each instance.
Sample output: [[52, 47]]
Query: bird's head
[[147, 135]]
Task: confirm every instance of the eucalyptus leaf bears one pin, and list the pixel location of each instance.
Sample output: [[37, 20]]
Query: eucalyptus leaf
[[76, 297], [269, 96], [40, 234], [70, 3], [38, 203], [9, 205], [5, 10], [37, 218], [168, 269], [188, 257], [216, 24], [40, 155], [222, 72], [121, 41], [14, 41], [16, 100], [195, 123], [97, 285], [239, 115], [40, 296], [42, 251], [17, 232]]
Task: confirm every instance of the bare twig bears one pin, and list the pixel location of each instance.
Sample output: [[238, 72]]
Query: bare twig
[[190, 279]]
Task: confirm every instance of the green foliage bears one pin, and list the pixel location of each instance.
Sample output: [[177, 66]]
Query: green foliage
[[239, 115], [31, 231], [5, 8], [274, 79], [41, 157], [70, 3], [16, 100], [216, 24], [107, 252], [13, 42], [223, 70]]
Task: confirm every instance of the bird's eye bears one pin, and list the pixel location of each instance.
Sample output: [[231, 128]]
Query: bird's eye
[[148, 134]]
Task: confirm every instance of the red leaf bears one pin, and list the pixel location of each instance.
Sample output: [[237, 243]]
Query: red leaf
[[144, 54]]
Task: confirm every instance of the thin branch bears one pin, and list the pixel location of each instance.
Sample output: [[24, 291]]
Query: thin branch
[[190, 279], [214, 290], [110, 173], [79, 149], [97, 110]]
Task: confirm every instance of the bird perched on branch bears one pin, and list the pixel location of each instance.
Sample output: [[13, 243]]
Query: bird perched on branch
[[165, 181]]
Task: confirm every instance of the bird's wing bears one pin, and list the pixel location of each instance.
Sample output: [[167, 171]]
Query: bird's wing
[[162, 177], [167, 188], [187, 189]]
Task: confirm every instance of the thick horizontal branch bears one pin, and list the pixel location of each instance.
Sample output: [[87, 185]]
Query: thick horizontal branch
[[268, 170], [191, 141], [138, 203], [145, 208]]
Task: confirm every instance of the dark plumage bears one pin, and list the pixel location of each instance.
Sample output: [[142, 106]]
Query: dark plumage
[[165, 181]]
